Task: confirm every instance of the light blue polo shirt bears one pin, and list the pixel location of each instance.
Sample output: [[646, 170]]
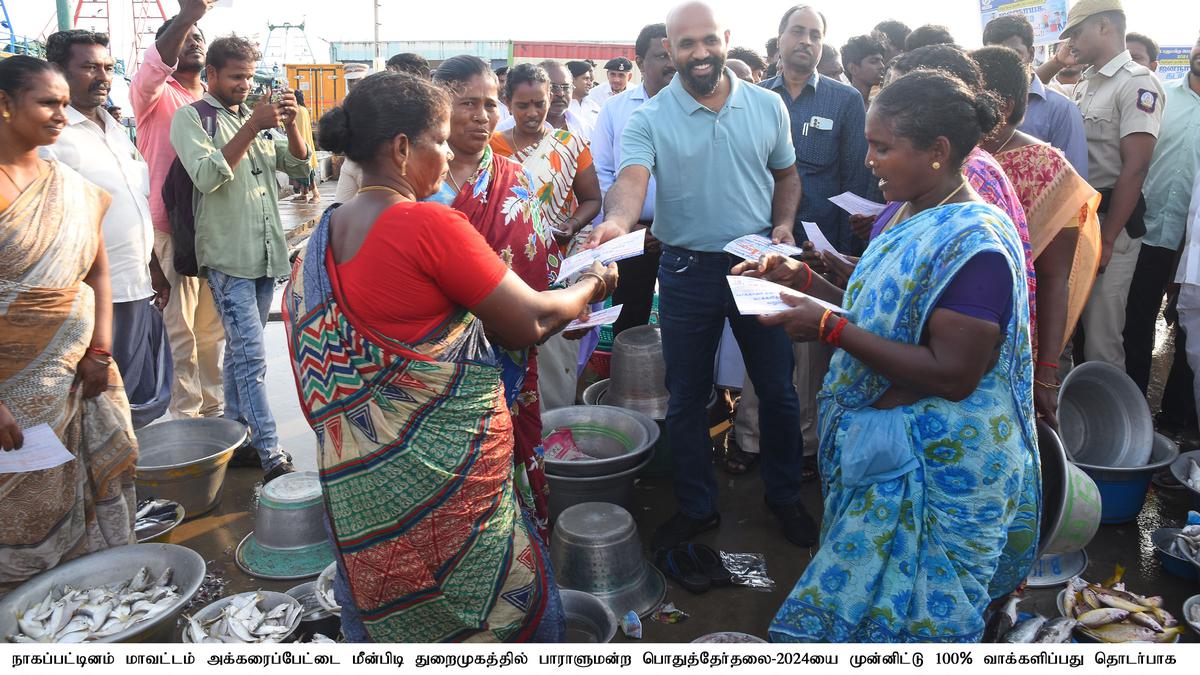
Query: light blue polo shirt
[[712, 169]]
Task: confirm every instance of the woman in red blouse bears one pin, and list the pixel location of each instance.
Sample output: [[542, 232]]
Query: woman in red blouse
[[390, 312]]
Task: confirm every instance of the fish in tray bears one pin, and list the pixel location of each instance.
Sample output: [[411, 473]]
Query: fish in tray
[[241, 621], [1193, 474], [84, 615], [1186, 544], [154, 513], [1108, 612]]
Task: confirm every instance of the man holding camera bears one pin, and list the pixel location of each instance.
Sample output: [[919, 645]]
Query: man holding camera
[[231, 154]]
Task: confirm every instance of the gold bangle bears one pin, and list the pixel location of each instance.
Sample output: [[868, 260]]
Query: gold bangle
[[1047, 385], [821, 328], [597, 277]]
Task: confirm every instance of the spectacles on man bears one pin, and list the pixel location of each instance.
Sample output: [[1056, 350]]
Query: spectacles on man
[[560, 88]]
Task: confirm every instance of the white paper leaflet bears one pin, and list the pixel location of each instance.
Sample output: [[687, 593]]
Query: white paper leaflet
[[820, 243], [600, 318], [753, 246], [755, 296], [626, 246], [41, 450], [855, 205]]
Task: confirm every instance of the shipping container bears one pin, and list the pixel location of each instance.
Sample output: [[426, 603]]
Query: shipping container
[[525, 50], [323, 84]]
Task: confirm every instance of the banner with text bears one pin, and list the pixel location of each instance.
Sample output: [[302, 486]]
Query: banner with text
[[1174, 62], [1047, 16]]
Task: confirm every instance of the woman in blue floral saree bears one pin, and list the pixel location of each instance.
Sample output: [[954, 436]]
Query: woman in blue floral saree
[[928, 452]]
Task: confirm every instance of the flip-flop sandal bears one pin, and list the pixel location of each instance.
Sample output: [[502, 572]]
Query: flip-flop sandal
[[739, 462], [809, 471], [710, 564], [680, 566]]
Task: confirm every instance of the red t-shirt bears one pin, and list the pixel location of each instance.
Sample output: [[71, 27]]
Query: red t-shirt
[[419, 262]]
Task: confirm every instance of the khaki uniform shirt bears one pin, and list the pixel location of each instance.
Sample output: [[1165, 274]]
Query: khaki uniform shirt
[[1116, 100]]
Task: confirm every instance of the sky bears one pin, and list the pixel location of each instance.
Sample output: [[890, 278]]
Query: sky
[[751, 22]]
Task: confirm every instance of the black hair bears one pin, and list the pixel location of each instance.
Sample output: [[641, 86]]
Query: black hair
[[299, 97], [1006, 75], [501, 71], [749, 57], [649, 32], [896, 32], [524, 73], [772, 47], [167, 24], [1002, 28], [458, 70], [829, 53], [230, 48], [862, 47], [1146, 41], [926, 104], [927, 35], [17, 73], [408, 62], [379, 108], [578, 68], [948, 58], [58, 45], [796, 8]]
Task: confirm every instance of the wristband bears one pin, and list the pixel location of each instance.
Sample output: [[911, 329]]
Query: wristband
[[835, 335], [99, 351], [809, 280]]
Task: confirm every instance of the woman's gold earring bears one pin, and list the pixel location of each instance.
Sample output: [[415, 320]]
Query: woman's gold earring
[[5, 115], [937, 166], [404, 169]]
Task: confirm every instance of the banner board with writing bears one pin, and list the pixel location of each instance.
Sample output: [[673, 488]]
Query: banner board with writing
[[1047, 16]]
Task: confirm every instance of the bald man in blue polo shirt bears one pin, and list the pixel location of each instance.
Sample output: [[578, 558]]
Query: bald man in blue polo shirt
[[724, 165]]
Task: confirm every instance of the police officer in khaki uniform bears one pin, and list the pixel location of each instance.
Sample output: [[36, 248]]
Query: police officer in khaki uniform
[[1122, 106]]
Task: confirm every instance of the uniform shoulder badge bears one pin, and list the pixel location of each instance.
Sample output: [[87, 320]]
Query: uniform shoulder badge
[[1147, 101]]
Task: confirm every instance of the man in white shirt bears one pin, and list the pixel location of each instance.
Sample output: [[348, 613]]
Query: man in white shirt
[[639, 274], [581, 77], [620, 72], [96, 146], [501, 77]]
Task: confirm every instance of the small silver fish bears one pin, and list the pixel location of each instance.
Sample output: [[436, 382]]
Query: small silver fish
[[1056, 630], [1025, 631]]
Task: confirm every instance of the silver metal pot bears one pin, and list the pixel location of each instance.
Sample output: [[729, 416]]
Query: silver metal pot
[[589, 620], [270, 600], [619, 439], [639, 372], [617, 488], [595, 548], [1104, 418], [289, 540], [185, 460], [114, 566]]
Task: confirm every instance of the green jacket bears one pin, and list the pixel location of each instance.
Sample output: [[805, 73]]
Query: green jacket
[[238, 231]]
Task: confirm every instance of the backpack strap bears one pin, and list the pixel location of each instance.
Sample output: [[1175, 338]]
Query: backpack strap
[[208, 117]]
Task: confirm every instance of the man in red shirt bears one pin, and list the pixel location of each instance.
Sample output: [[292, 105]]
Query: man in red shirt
[[168, 79]]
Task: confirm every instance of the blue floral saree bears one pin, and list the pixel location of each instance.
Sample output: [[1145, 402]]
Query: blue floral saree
[[917, 554]]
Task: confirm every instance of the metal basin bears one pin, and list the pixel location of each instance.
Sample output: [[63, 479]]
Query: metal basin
[[589, 620], [1177, 565], [185, 460], [618, 439], [289, 540], [1071, 506], [617, 488], [595, 548], [316, 618], [111, 566], [639, 372], [269, 601], [1104, 418], [1190, 605], [1123, 489], [1180, 468]]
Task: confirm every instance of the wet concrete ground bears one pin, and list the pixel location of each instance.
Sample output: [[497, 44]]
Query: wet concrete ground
[[747, 527]]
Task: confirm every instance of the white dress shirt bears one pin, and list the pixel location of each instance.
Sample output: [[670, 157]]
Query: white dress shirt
[[576, 124], [587, 109], [1189, 262], [606, 142], [109, 159]]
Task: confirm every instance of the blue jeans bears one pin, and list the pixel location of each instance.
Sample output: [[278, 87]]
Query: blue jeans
[[244, 305], [694, 301]]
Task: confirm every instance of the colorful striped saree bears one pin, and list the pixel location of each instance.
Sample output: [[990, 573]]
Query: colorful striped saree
[[48, 241], [416, 459], [917, 554]]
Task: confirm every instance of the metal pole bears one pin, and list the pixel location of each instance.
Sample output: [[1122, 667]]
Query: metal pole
[[64, 15], [378, 47]]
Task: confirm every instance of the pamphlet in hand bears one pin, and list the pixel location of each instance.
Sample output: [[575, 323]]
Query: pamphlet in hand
[[820, 243], [756, 297], [41, 450], [626, 246], [753, 246], [855, 205], [600, 318]]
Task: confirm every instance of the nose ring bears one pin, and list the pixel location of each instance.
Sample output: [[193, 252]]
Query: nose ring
[[871, 163]]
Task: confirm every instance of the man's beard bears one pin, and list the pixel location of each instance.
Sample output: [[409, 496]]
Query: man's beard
[[704, 86]]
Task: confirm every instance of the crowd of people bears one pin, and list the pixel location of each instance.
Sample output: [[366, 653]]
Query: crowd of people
[[1034, 216]]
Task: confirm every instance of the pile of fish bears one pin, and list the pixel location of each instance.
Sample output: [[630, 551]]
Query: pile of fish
[[241, 621], [154, 515], [1108, 612], [1186, 543], [1192, 475], [1004, 626], [85, 615], [323, 590]]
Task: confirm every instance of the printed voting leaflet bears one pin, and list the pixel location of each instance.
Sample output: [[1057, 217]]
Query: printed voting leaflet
[[627, 246], [42, 450], [601, 318], [755, 297], [753, 246], [820, 243], [855, 205]]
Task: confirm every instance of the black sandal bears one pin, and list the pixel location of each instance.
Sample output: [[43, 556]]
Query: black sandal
[[809, 472], [710, 564], [739, 462], [683, 568]]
